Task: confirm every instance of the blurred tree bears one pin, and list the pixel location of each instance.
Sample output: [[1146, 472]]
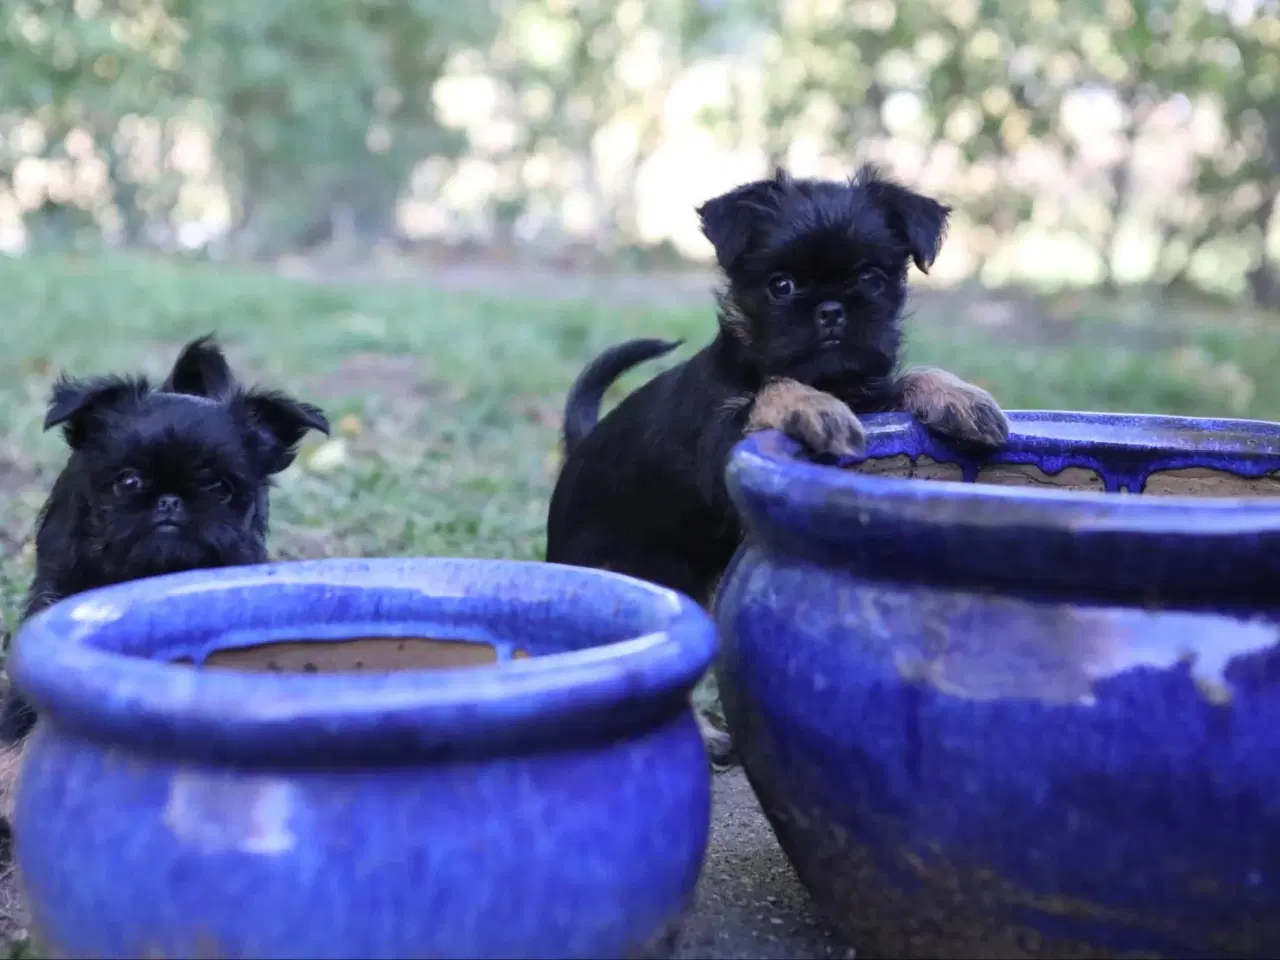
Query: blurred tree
[[1033, 112], [317, 110], [1233, 62]]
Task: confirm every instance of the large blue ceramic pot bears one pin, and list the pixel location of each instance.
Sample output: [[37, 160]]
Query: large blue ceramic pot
[[187, 794], [1001, 719]]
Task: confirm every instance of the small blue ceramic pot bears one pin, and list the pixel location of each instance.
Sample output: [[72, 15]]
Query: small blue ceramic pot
[[551, 806], [997, 721]]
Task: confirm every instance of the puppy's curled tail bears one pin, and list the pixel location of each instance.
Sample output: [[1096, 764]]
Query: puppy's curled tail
[[582, 407]]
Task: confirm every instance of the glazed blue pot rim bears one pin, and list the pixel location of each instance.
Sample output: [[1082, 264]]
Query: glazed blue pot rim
[[1154, 435], [773, 464], [120, 697], [1168, 551]]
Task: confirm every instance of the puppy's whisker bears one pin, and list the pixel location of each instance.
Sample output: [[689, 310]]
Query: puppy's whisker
[[734, 406]]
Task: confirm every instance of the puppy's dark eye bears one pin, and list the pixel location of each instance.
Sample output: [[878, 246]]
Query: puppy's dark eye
[[219, 490], [871, 279], [781, 286], [127, 483]]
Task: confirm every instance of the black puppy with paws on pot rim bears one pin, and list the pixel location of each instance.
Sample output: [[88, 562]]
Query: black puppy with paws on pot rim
[[810, 336]]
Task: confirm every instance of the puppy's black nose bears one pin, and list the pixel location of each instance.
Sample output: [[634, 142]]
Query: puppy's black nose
[[830, 316], [169, 508]]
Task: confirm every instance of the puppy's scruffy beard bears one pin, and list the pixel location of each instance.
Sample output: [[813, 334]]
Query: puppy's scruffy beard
[[774, 348], [125, 547]]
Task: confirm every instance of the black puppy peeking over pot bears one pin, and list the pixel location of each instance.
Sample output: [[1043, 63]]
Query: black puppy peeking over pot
[[810, 336], [159, 480]]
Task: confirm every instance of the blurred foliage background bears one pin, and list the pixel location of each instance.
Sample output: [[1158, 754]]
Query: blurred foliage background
[[1100, 142]]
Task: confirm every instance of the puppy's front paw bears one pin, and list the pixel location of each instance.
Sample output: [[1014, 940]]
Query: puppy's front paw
[[954, 408], [824, 424]]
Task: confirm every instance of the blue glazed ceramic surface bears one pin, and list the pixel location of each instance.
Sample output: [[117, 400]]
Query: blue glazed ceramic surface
[[1000, 721], [554, 806], [1123, 448]]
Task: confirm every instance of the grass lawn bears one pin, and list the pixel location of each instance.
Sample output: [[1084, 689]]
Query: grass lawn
[[446, 405]]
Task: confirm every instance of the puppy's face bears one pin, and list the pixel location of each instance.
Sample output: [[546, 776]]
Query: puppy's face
[[174, 479], [172, 487], [816, 271]]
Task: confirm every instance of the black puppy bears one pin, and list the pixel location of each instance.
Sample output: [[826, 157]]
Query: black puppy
[[159, 480], [810, 336]]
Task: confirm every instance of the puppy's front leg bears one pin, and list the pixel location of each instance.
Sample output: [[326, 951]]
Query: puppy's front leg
[[952, 407], [823, 423]]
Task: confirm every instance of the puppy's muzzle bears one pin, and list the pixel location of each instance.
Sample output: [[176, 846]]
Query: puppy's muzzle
[[831, 318], [169, 513]]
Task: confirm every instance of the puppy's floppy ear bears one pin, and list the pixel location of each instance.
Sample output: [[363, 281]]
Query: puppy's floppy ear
[[76, 404], [729, 221], [200, 370], [919, 221], [279, 423]]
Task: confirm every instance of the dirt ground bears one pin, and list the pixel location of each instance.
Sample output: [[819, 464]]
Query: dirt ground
[[13, 913], [750, 906]]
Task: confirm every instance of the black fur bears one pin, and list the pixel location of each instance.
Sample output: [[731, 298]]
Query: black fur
[[644, 492], [582, 406], [159, 480]]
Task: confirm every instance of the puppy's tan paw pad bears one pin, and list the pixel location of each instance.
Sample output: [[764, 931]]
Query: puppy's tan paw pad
[[826, 427], [954, 408], [973, 417], [818, 420]]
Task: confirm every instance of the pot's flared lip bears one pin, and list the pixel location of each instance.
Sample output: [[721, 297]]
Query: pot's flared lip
[[770, 461], [84, 662], [1183, 549], [1107, 438]]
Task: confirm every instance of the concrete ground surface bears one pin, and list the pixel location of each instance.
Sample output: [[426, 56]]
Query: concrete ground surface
[[749, 905]]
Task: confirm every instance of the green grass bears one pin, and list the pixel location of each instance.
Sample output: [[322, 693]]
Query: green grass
[[447, 405]]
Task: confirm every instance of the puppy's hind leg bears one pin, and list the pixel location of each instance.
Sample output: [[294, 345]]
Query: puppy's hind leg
[[823, 423], [718, 743], [953, 407], [17, 717], [678, 573]]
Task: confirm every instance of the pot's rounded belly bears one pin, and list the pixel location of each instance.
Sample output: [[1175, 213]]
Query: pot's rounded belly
[[955, 773], [584, 852]]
